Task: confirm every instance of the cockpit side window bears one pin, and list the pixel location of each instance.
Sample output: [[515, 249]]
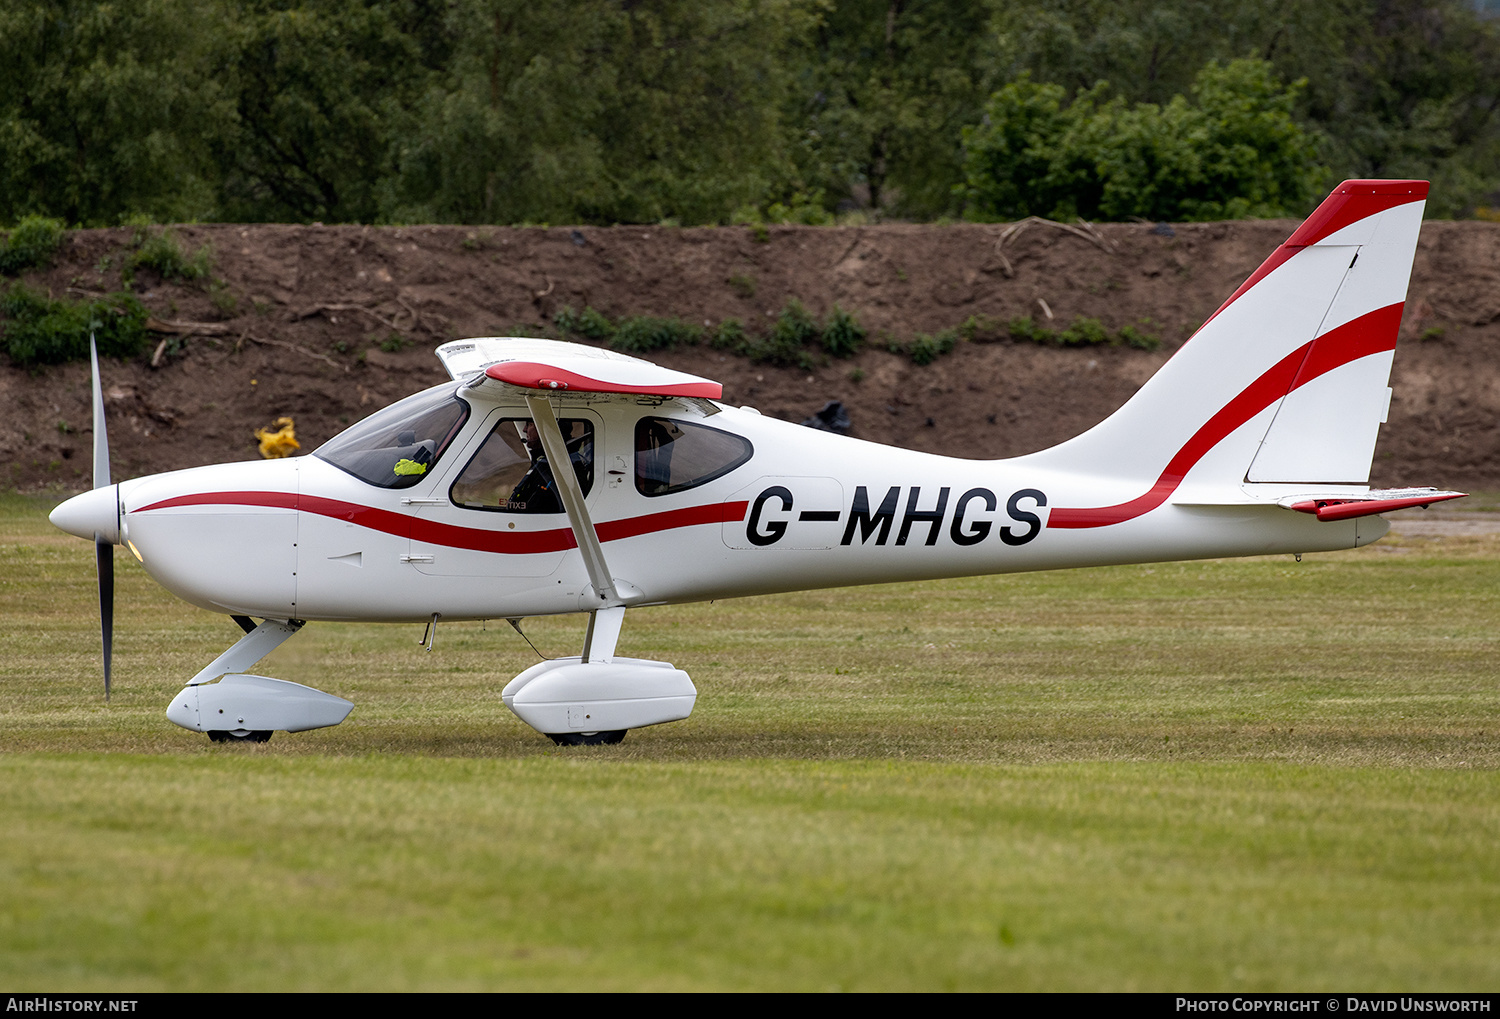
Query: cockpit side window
[[510, 472], [398, 446], [673, 456]]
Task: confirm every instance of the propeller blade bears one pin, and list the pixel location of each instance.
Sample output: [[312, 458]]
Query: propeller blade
[[104, 557], [101, 438], [104, 551]]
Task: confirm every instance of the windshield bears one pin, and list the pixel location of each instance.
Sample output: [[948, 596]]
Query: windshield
[[397, 446]]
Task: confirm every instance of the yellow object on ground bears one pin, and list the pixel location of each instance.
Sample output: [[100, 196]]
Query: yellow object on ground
[[282, 442]]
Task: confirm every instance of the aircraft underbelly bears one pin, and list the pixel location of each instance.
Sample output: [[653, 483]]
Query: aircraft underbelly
[[1169, 533]]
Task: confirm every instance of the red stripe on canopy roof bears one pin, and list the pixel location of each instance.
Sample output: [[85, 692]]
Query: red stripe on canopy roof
[[550, 378]]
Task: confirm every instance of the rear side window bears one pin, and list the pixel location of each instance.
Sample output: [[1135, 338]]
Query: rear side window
[[673, 456]]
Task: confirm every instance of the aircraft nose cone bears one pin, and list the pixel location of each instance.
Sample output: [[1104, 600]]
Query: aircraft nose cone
[[96, 512]]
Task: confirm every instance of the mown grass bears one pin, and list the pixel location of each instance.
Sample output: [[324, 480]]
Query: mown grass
[[1237, 775]]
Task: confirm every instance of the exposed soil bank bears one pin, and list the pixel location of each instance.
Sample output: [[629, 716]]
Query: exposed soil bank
[[311, 306]]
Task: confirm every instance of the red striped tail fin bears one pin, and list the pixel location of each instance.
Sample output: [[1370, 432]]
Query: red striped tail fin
[[1285, 384]]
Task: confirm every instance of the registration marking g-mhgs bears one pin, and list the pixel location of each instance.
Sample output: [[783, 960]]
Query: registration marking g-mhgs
[[915, 518]]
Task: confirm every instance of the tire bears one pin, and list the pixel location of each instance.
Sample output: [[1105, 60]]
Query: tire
[[587, 739], [254, 736]]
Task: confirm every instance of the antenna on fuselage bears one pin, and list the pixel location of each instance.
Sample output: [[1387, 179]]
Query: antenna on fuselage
[[516, 625]]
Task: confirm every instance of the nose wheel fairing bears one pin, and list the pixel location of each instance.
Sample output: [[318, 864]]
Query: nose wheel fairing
[[229, 704], [238, 704]]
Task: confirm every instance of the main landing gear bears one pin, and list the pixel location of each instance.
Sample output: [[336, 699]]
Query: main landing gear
[[594, 699]]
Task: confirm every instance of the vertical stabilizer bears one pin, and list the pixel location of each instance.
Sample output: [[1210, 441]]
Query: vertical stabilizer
[[1286, 382]]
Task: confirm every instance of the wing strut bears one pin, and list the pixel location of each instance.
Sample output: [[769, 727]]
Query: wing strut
[[572, 499]]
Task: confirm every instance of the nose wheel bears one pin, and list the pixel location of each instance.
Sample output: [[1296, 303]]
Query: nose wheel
[[247, 735], [587, 739]]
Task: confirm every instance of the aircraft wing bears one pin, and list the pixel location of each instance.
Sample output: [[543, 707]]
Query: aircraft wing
[[531, 367], [542, 370]]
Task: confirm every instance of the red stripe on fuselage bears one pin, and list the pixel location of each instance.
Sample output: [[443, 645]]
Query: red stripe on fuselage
[[630, 527], [1361, 337], [478, 539]]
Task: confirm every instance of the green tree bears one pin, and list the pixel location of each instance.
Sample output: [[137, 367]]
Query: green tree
[[885, 86], [1232, 149], [1416, 95], [601, 111], [1393, 87], [103, 108], [319, 91]]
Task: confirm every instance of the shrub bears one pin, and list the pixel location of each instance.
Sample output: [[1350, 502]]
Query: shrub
[[588, 322], [643, 334], [730, 335], [926, 349], [39, 330], [805, 207], [795, 326], [223, 299], [1024, 330], [982, 329], [161, 251], [842, 334], [791, 338], [1133, 337], [32, 244], [1084, 332], [1230, 149]]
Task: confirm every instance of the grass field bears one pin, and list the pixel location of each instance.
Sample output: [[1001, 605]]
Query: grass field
[[1252, 774]]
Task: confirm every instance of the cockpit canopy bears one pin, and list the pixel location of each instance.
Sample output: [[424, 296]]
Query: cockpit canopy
[[397, 446]]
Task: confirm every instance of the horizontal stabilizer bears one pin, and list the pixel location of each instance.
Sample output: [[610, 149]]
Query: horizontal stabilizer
[[1346, 507], [1339, 505]]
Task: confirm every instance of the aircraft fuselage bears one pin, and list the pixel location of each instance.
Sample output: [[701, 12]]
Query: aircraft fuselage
[[303, 539]]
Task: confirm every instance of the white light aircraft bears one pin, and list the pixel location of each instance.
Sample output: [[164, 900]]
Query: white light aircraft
[[1256, 437]]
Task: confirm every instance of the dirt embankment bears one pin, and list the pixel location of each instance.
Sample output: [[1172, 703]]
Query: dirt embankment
[[299, 325]]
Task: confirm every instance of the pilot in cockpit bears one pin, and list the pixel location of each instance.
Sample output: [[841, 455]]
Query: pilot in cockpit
[[536, 492]]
